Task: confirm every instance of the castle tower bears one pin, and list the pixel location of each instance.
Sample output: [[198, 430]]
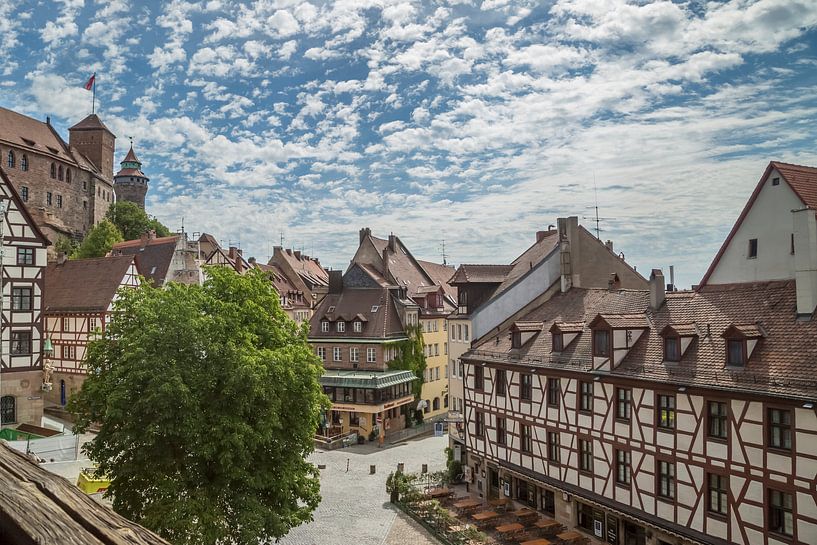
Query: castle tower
[[130, 184], [94, 140]]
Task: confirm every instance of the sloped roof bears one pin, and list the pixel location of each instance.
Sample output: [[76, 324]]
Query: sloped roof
[[531, 257], [153, 257], [91, 122], [487, 274], [366, 379], [26, 132], [130, 172], [440, 274], [781, 364], [802, 179], [131, 157], [84, 284], [308, 268], [283, 285], [383, 323]]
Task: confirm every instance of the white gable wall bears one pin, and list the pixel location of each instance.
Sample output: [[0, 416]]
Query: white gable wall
[[770, 221]]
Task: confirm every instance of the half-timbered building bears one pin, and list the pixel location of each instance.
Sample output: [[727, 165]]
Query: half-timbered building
[[78, 302], [655, 417], [21, 285]]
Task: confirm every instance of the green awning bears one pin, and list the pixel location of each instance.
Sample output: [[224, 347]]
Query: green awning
[[366, 379]]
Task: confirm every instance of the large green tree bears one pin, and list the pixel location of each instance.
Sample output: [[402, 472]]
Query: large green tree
[[132, 221], [207, 399], [99, 240]]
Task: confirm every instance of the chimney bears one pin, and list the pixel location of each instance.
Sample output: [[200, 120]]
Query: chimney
[[392, 242], [609, 245], [569, 252], [335, 281], [657, 289], [61, 258], [147, 236], [540, 235], [613, 283], [297, 254], [365, 232], [251, 261], [48, 120], [805, 260]]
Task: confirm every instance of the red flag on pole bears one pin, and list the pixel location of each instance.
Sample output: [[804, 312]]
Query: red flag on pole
[[90, 83]]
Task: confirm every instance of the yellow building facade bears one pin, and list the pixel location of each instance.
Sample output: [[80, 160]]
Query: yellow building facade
[[435, 379]]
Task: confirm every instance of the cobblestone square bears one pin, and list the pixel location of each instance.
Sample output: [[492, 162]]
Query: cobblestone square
[[355, 508]]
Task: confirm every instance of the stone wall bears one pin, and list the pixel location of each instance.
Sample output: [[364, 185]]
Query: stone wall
[[26, 387], [80, 206]]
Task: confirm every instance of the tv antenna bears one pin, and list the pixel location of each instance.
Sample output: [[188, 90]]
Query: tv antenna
[[442, 251], [596, 219]]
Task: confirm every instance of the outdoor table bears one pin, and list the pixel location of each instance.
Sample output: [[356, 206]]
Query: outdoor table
[[524, 513], [440, 492], [570, 536], [511, 528], [467, 504], [485, 515], [539, 541], [548, 524]]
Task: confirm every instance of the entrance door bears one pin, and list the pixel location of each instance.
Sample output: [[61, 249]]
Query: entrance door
[[62, 393], [634, 534], [493, 475]]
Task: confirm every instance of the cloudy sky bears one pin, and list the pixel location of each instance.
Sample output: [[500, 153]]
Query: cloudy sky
[[473, 122]]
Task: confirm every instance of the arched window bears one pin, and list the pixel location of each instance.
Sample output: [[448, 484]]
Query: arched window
[[53, 170], [68, 175], [427, 408], [59, 173], [24, 162], [8, 410], [11, 159], [435, 405]]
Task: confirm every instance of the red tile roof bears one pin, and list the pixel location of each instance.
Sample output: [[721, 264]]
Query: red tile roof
[[382, 323], [91, 122], [487, 274], [802, 179], [782, 364], [84, 284], [152, 256]]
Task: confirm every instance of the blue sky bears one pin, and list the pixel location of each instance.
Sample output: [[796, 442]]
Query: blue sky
[[474, 122]]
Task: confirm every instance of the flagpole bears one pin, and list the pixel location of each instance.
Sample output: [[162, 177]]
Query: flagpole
[[93, 96]]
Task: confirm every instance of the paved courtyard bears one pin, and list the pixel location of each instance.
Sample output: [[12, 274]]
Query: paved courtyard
[[355, 507]]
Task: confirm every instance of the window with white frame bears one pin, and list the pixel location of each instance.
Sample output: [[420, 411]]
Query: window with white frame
[[357, 326], [325, 326], [354, 354], [337, 354], [371, 355], [321, 353]]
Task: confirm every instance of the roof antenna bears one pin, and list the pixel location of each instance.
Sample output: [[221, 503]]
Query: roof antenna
[[282, 239], [445, 256], [596, 218]]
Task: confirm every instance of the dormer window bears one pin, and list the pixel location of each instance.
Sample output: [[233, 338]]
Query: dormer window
[[741, 341], [324, 326], [672, 349], [516, 339], [736, 352], [357, 326], [340, 326], [331, 309], [558, 342], [677, 339], [375, 308], [601, 343]]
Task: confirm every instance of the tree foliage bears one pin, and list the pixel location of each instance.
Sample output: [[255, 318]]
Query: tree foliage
[[99, 240], [207, 398], [65, 245], [410, 357], [132, 221]]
